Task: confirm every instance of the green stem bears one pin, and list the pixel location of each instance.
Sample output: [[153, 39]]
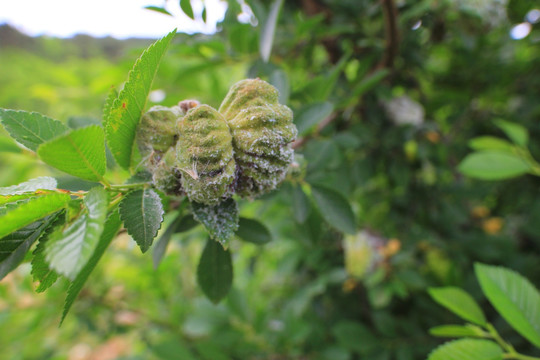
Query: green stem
[[124, 187], [511, 353]]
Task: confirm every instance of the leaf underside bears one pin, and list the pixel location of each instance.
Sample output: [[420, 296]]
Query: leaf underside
[[221, 220]]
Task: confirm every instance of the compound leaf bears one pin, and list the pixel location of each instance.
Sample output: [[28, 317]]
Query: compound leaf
[[142, 213], [128, 107], [30, 128]]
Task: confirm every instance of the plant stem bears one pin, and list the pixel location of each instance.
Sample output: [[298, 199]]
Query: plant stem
[[127, 186], [511, 353]]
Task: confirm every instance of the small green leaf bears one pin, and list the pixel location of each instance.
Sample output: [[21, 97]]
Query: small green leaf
[[301, 205], [14, 247], [158, 9], [334, 208], [221, 220], [41, 271], [204, 17], [493, 165], [31, 211], [142, 213], [467, 349], [80, 152], [215, 271], [185, 5], [517, 133], [490, 143], [253, 231], [127, 109], [457, 331], [514, 297], [30, 186], [112, 225], [29, 128], [68, 252], [268, 30], [459, 302], [311, 115]]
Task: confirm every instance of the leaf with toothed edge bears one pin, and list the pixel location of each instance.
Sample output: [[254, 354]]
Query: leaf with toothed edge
[[112, 225], [31, 129], [70, 250], [142, 213], [126, 111], [39, 183]]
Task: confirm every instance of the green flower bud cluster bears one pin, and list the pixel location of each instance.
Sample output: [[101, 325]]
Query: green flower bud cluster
[[209, 155]]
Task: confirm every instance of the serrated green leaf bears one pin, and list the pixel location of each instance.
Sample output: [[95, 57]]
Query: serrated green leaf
[[517, 133], [459, 302], [41, 270], [70, 251], [33, 210], [514, 297], [40, 183], [30, 128], [161, 245], [111, 97], [457, 331], [80, 152], [10, 199], [221, 220], [493, 165], [185, 5], [301, 205], [490, 143], [467, 349], [334, 208], [253, 231], [14, 247], [142, 214], [112, 225], [215, 271], [129, 106]]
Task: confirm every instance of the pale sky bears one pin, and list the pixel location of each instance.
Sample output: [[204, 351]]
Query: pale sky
[[117, 18]]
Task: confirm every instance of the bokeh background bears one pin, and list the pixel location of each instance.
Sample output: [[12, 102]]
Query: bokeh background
[[386, 96]]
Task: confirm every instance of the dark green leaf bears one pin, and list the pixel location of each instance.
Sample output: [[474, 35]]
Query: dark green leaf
[[457, 331], [467, 349], [204, 17], [301, 204], [70, 250], [517, 133], [334, 208], [142, 213], [14, 247], [253, 231], [80, 152], [493, 165], [31, 211], [460, 303], [185, 5], [307, 117], [514, 297], [29, 128], [215, 271], [221, 220], [40, 183], [127, 109], [112, 225], [161, 245]]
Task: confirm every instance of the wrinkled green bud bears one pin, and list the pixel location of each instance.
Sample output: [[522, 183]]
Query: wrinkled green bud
[[157, 129], [204, 154], [166, 175], [262, 130]]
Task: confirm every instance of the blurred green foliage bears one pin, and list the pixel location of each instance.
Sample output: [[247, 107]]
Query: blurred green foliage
[[386, 95]]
